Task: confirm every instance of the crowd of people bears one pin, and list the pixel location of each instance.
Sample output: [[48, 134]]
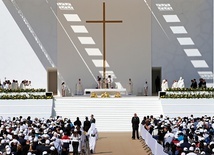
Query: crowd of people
[[52, 136], [14, 85], [182, 136]]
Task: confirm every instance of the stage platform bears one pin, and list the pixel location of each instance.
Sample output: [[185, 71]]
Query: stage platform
[[112, 114]]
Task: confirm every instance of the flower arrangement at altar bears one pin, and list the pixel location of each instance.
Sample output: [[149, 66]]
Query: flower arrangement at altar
[[93, 95], [105, 95], [117, 95]]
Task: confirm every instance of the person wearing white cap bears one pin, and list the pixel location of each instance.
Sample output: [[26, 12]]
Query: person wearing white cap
[[93, 136], [202, 152], [191, 148], [8, 151], [29, 153], [44, 153], [53, 151]]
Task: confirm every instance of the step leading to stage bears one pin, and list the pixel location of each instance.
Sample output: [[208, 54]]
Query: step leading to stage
[[111, 114]]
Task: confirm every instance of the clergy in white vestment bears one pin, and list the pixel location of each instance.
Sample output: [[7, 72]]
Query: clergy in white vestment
[[181, 83], [22, 85], [109, 82], [130, 87], [16, 85], [63, 88], [164, 85], [13, 85], [29, 85], [93, 136], [146, 87], [4, 86], [175, 84], [79, 88], [99, 82]]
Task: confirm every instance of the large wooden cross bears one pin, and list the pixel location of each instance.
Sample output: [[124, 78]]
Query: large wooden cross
[[104, 21]]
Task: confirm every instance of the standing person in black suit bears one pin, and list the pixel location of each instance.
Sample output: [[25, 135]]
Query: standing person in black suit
[[78, 122], [86, 124], [135, 125], [92, 120]]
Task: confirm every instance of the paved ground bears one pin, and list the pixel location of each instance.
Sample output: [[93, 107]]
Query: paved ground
[[120, 143]]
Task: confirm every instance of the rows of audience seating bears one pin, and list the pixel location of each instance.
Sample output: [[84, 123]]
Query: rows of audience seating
[[182, 135], [38, 136]]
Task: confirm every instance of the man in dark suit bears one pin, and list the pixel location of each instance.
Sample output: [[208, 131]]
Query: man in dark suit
[[86, 124], [135, 126]]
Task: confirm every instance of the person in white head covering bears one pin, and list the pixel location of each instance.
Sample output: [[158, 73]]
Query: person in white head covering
[[79, 88], [175, 84], [63, 89], [181, 83], [146, 87], [93, 136], [130, 87], [164, 85]]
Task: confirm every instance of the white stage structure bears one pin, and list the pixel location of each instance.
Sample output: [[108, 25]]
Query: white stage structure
[[111, 114]]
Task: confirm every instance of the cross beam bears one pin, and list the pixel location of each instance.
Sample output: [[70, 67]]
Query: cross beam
[[104, 21]]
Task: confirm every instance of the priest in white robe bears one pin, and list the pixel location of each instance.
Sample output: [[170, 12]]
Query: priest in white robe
[[79, 88], [13, 85], [175, 84], [109, 82], [63, 87], [130, 87], [146, 87], [164, 85], [181, 83]]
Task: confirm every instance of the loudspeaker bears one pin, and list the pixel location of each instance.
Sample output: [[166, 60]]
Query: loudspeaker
[[162, 93], [49, 93], [87, 92]]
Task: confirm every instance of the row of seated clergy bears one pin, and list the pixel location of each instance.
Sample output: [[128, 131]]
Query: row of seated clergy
[[176, 84], [25, 84]]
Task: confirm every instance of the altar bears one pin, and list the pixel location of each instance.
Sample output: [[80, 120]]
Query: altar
[[122, 91]]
